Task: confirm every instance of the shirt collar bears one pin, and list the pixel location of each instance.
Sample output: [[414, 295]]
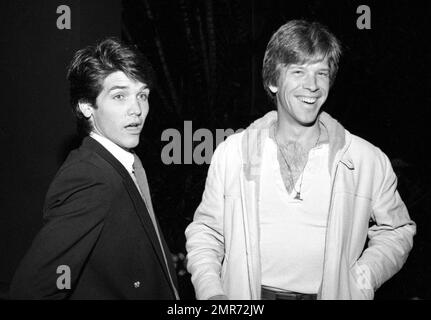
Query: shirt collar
[[126, 158]]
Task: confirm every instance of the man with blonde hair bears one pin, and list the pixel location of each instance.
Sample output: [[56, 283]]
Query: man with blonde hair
[[287, 203]]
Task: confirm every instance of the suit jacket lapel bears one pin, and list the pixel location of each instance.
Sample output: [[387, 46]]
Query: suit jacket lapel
[[137, 200], [167, 251]]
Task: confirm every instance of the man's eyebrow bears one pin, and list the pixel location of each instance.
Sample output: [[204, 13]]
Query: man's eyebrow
[[294, 65], [118, 87]]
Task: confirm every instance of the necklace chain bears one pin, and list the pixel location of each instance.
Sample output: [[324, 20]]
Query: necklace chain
[[298, 193]]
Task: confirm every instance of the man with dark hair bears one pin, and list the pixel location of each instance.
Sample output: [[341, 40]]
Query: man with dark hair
[[100, 238], [289, 202]]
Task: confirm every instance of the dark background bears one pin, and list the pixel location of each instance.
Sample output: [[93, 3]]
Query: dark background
[[208, 57]]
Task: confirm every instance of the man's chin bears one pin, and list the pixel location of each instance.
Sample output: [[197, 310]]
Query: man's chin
[[128, 145], [308, 120]]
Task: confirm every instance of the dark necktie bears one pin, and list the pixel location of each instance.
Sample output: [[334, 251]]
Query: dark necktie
[[142, 182], [141, 179]]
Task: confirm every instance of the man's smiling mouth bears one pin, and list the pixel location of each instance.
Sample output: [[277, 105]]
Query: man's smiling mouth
[[308, 100]]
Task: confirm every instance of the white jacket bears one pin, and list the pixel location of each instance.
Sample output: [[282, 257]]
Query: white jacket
[[223, 239]]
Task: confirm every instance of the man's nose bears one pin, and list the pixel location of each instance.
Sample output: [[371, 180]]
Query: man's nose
[[310, 83], [135, 107]]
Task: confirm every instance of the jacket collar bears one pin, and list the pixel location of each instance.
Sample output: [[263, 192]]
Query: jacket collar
[[339, 141], [256, 134], [126, 158], [140, 207]]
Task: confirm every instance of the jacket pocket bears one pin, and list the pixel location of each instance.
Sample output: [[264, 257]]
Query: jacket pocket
[[352, 214]]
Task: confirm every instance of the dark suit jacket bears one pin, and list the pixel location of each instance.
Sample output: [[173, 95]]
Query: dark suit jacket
[[96, 223]]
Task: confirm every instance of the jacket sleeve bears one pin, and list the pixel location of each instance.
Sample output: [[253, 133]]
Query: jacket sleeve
[[391, 235], [75, 206], [205, 240]]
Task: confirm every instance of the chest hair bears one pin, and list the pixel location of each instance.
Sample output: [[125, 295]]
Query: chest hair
[[292, 159]]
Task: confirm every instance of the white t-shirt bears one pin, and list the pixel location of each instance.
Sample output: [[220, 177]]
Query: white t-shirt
[[292, 232]]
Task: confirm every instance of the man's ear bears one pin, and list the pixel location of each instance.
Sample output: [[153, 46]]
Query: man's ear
[[273, 89], [86, 108]]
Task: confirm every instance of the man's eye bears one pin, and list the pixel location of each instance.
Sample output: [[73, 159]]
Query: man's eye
[[143, 96], [297, 72], [324, 74], [119, 97]]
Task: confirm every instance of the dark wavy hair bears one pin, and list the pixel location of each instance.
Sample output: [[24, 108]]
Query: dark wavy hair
[[298, 42], [91, 65]]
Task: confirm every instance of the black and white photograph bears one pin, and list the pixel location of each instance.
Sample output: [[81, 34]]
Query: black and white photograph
[[182, 151]]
